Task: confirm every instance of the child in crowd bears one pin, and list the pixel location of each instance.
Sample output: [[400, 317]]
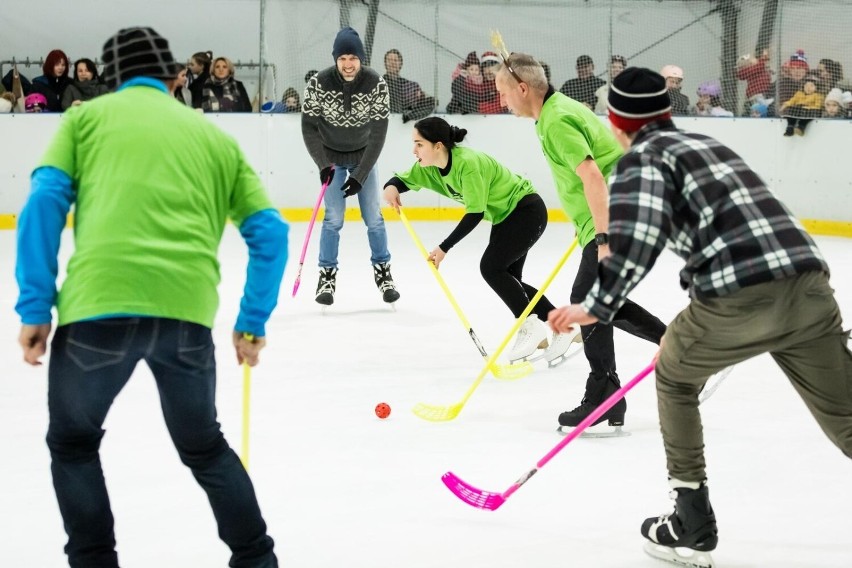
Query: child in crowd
[[36, 102], [709, 101], [834, 107], [802, 107], [755, 72], [760, 108]]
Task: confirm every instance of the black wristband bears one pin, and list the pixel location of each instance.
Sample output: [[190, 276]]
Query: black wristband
[[602, 239]]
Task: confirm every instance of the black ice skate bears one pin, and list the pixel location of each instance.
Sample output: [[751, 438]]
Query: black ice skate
[[688, 534], [599, 387], [326, 286], [384, 281]]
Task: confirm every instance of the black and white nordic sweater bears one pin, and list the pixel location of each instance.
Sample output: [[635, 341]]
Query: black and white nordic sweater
[[345, 122]]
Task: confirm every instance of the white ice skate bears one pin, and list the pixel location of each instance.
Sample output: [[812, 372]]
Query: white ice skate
[[531, 337], [563, 346], [679, 555]]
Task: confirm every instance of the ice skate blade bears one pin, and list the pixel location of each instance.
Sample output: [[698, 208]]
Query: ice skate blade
[[536, 356], [573, 351], [679, 555], [602, 430]]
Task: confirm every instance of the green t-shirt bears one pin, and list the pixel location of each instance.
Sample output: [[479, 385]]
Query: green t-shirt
[[569, 133], [476, 180], [155, 182]]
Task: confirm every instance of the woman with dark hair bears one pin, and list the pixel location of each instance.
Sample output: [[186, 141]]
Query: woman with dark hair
[[54, 81], [179, 90], [199, 72], [222, 92], [86, 85], [488, 190]]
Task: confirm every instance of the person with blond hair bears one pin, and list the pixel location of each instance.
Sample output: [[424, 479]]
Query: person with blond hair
[[221, 91]]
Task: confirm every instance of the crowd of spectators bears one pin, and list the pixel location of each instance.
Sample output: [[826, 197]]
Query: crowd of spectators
[[798, 94]]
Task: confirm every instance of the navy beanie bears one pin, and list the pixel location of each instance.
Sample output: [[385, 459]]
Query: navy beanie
[[348, 42]]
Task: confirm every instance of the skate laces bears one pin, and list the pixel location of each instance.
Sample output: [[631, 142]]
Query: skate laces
[[383, 277], [327, 281]]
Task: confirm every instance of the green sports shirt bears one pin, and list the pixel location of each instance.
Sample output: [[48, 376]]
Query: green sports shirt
[[155, 182], [570, 132], [476, 180]]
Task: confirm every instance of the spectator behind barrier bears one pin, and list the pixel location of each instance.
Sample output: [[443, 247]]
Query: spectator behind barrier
[[834, 107], [86, 85], [617, 64], [793, 72], [467, 86], [55, 79], [709, 101], [179, 88], [291, 100], [490, 103], [583, 87], [674, 80], [35, 102], [755, 72], [198, 73], [803, 107], [406, 97], [222, 92], [830, 74]]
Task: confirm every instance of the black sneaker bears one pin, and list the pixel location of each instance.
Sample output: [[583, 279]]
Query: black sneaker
[[788, 131], [326, 286], [384, 281], [692, 524], [598, 389]]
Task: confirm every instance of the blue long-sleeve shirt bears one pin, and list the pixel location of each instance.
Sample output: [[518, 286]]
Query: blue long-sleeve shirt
[[40, 230]]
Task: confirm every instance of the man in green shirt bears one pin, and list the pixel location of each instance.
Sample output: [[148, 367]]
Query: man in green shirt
[[153, 184], [581, 152]]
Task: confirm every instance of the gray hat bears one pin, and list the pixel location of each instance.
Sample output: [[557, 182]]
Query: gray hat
[[137, 52]]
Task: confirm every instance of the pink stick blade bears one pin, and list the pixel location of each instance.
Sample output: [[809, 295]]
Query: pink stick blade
[[298, 279], [470, 494]]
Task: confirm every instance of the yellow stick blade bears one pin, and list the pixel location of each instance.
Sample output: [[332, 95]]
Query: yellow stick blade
[[435, 413], [512, 371]]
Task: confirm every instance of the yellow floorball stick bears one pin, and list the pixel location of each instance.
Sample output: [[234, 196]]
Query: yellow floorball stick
[[244, 454]]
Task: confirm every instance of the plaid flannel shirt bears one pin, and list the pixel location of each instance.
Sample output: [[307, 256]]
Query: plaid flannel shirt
[[696, 196]]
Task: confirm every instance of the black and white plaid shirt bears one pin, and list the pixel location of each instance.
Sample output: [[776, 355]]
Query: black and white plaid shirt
[[698, 197]]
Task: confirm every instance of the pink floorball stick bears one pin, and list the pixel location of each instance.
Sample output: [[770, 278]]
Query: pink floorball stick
[[308, 238], [492, 501]]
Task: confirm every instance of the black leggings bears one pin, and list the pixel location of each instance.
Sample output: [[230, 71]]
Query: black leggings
[[502, 263], [631, 317]]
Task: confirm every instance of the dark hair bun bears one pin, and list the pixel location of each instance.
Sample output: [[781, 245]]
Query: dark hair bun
[[457, 133]]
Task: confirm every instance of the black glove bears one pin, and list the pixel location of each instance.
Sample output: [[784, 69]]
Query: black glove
[[351, 187], [326, 175]]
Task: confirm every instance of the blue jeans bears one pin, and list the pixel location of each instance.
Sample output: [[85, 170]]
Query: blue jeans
[[90, 363], [371, 213]]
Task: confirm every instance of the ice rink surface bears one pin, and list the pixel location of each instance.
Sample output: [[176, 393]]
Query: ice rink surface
[[340, 488]]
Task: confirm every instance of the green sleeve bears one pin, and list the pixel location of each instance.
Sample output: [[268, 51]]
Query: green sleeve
[[248, 195], [415, 178]]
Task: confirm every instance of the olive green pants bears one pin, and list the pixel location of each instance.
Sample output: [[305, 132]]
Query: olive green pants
[[796, 320]]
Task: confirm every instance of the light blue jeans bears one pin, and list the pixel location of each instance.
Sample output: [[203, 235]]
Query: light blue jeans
[[371, 213]]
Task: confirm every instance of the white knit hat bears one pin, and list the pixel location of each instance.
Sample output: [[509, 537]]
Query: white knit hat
[[835, 95]]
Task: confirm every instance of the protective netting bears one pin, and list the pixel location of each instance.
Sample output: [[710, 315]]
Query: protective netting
[[725, 57], [743, 55]]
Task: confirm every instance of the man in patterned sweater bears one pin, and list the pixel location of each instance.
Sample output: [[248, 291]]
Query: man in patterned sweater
[[344, 124], [757, 281]]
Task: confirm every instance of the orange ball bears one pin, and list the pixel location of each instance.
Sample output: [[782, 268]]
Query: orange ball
[[383, 410]]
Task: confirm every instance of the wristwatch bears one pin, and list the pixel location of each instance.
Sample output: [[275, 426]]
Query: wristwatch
[[601, 239]]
